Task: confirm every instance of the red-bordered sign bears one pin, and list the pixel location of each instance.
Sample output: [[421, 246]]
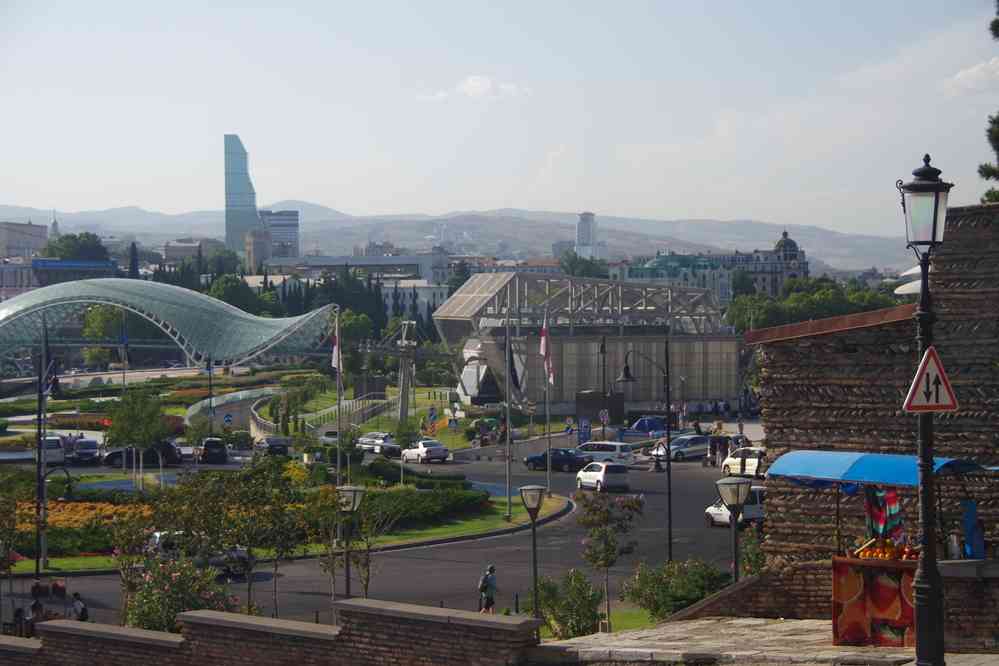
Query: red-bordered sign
[[931, 390]]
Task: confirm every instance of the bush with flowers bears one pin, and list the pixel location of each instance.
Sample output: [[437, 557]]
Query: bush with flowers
[[170, 587]]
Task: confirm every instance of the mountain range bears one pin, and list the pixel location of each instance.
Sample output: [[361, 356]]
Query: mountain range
[[507, 231]]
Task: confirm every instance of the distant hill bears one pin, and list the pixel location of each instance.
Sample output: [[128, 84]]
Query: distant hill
[[515, 231]]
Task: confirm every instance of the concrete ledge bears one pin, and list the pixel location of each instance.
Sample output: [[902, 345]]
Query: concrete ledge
[[439, 615], [262, 625], [16, 645], [111, 633]]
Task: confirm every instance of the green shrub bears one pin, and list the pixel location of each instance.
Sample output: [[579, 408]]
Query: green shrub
[[18, 408], [673, 586], [421, 507], [171, 587], [64, 541], [570, 608], [387, 470], [752, 560], [3, 425]]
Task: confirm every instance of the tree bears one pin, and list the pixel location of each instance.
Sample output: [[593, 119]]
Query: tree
[[742, 284], [991, 171], [137, 423], [84, 246], [324, 521], [458, 277], [571, 608], [170, 587], [373, 521], [133, 261], [607, 521], [130, 539], [99, 323], [10, 493], [576, 266], [283, 530], [232, 290], [354, 327]]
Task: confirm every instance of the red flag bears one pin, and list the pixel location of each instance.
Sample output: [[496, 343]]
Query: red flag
[[335, 361], [546, 352]]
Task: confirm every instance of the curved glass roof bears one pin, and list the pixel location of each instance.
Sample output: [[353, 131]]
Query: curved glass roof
[[204, 327]]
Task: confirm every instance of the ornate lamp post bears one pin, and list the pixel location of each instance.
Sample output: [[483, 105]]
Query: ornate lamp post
[[533, 497], [734, 491], [924, 203], [625, 378], [349, 498]]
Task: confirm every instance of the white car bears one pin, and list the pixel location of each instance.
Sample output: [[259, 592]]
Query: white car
[[686, 447], [618, 452], [424, 451], [329, 436], [603, 476], [718, 513], [744, 462], [368, 441], [55, 454]]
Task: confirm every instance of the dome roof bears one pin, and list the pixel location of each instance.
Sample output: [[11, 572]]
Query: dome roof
[[785, 244]]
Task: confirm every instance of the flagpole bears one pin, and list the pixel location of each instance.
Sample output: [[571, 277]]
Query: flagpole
[[339, 390], [548, 435], [509, 448], [40, 452]]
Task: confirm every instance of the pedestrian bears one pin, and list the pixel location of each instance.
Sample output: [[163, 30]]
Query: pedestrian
[[19, 622], [80, 611], [34, 614], [487, 590]]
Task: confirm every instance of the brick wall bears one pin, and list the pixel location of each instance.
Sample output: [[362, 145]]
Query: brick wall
[[370, 632]]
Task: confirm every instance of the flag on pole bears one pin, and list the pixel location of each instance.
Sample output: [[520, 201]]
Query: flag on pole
[[335, 361], [47, 362], [546, 351], [123, 348]]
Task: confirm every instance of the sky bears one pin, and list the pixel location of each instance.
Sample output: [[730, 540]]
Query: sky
[[779, 111]]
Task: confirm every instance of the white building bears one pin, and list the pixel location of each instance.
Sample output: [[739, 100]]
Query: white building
[[283, 225], [398, 296], [16, 278], [22, 240]]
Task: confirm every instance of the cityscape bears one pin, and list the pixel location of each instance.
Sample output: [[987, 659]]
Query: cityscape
[[633, 382]]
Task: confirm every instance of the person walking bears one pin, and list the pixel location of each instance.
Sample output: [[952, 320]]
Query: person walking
[[80, 611], [487, 591]]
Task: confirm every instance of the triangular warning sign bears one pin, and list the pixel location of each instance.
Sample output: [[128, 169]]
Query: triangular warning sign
[[931, 390]]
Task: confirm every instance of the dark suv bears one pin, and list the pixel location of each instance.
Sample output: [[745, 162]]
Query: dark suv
[[213, 452], [567, 460]]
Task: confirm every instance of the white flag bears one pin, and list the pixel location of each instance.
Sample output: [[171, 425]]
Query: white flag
[[546, 352], [335, 360]]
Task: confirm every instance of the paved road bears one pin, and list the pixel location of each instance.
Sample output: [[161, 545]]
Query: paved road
[[449, 573]]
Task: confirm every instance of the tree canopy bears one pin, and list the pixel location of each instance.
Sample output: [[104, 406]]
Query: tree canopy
[[803, 299], [988, 171], [576, 266], [84, 246]]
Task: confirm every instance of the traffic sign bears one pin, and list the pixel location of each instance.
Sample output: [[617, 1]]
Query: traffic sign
[[931, 390], [227, 419], [604, 416], [584, 432]]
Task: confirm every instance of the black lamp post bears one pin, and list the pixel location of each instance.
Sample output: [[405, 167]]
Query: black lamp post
[[625, 378], [533, 497], [734, 491], [603, 382], [349, 498], [924, 202]]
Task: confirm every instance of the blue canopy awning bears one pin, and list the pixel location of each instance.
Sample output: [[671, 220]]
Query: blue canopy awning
[[824, 468]]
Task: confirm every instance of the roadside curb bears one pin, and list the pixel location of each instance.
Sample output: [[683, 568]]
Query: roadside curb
[[566, 509]]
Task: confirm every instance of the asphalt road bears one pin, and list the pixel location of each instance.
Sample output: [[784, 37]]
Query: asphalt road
[[449, 573]]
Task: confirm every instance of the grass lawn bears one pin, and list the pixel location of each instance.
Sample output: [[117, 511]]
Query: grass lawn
[[325, 401], [104, 476], [488, 521], [623, 618], [175, 410]]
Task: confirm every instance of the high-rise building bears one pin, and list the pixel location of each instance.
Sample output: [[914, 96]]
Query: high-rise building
[[283, 225], [22, 240], [586, 236], [240, 197], [258, 244]]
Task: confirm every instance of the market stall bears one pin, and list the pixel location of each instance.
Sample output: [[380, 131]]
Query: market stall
[[872, 583]]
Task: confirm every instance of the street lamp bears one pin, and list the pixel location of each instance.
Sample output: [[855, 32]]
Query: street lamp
[[924, 203], [626, 378], [349, 499], [734, 491], [533, 497]]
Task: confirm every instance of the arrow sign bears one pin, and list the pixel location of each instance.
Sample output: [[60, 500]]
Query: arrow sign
[[931, 390]]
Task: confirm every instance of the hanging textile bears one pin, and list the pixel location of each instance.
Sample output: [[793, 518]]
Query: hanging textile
[[884, 513]]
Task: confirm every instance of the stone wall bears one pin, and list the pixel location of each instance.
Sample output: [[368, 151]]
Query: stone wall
[[370, 632]]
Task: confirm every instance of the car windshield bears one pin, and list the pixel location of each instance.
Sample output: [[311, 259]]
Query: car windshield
[[86, 445], [616, 469], [53, 444]]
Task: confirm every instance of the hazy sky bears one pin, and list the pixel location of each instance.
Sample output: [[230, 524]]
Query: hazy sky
[[781, 111]]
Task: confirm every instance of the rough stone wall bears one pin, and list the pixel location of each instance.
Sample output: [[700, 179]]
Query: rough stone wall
[[966, 604]]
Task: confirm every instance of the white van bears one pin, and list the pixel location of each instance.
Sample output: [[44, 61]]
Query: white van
[[617, 452], [55, 454]]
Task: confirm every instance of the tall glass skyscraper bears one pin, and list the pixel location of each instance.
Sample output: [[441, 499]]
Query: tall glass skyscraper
[[240, 197]]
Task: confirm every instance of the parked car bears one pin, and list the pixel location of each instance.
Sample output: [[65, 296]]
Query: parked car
[[567, 460], [603, 476], [752, 512], [329, 436], [169, 451], [610, 451], [379, 443], [232, 562], [55, 453], [687, 447], [745, 461], [274, 446], [213, 451], [425, 451], [83, 451]]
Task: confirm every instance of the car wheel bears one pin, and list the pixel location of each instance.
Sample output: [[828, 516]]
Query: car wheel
[[726, 471], [531, 466], [421, 460], [567, 467], [599, 487], [709, 520], [678, 456]]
